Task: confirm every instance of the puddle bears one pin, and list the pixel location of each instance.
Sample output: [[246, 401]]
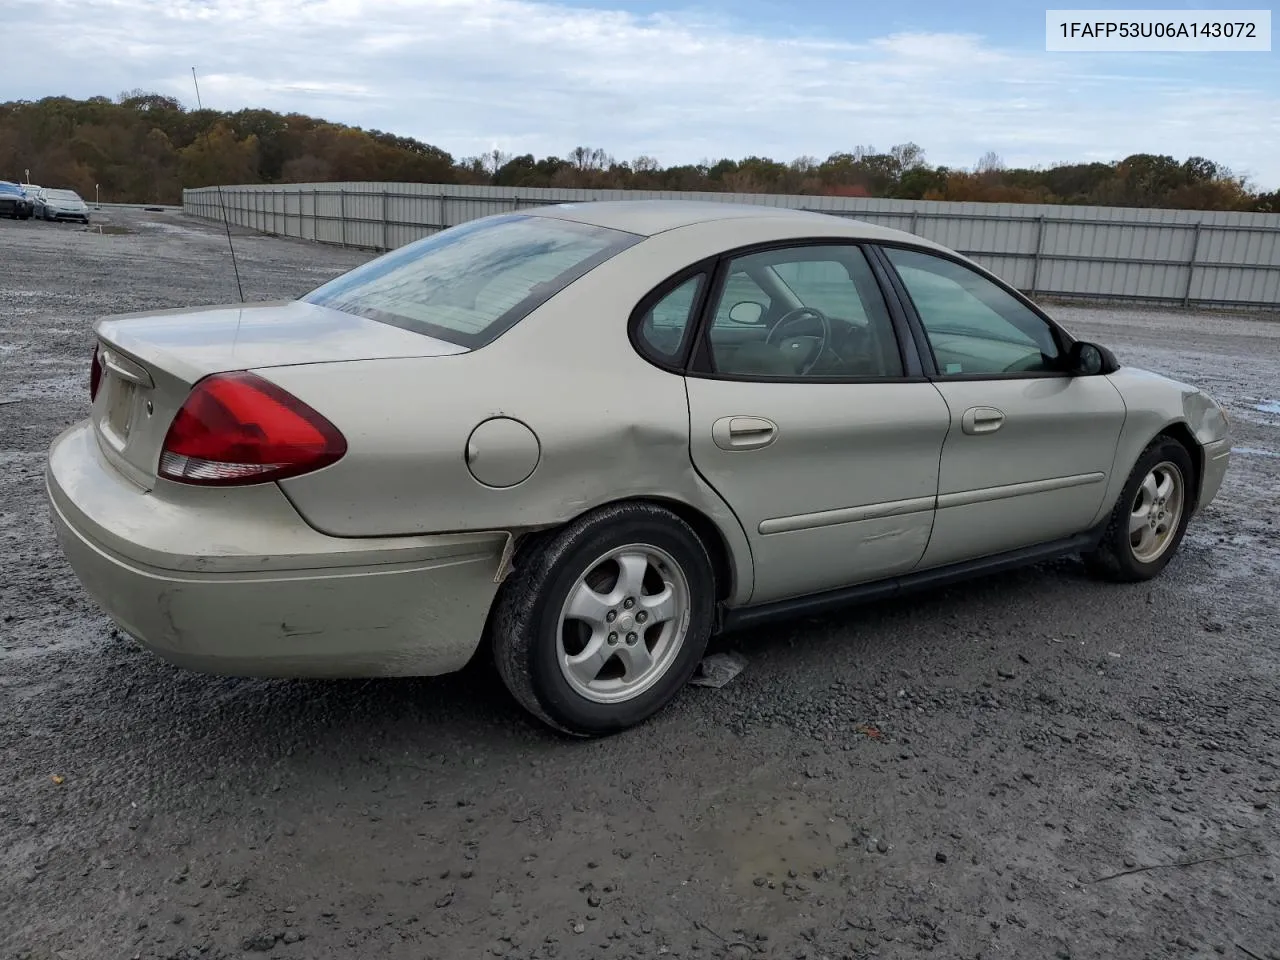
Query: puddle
[[1255, 452], [109, 229], [1268, 406]]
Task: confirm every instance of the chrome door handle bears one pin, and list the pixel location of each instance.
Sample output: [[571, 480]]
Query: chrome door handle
[[982, 420], [743, 433]]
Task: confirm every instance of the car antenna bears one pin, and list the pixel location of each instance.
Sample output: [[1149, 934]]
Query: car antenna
[[221, 203]]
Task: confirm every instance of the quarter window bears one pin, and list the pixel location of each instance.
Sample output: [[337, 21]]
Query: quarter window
[[798, 312], [973, 326], [664, 326]]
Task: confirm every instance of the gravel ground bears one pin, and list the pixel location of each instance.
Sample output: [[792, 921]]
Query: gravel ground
[[1033, 765]]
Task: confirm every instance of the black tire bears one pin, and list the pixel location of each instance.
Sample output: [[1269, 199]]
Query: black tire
[[1115, 558], [525, 624]]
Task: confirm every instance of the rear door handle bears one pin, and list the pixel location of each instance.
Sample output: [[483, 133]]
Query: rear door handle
[[743, 433], [982, 420]]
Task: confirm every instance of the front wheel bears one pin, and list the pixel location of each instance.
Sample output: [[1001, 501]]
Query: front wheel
[[1150, 518], [600, 626]]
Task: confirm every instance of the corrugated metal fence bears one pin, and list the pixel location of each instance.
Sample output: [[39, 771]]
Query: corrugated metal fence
[[1187, 257]]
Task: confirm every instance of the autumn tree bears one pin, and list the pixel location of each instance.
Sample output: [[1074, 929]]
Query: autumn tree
[[219, 157], [146, 146]]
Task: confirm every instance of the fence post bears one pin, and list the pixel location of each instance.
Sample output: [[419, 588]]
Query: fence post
[[1191, 265], [342, 213], [1035, 264], [315, 214], [385, 218], [915, 218]]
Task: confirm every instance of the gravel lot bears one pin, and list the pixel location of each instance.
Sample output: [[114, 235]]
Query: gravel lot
[[1034, 765]]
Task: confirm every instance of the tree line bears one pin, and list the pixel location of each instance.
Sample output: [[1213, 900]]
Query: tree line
[[144, 147]]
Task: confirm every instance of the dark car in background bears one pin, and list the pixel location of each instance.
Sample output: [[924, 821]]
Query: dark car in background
[[14, 202]]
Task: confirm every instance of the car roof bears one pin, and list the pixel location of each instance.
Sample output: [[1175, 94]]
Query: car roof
[[649, 217]]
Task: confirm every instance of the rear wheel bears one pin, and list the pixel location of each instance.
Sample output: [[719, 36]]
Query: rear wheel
[[1150, 518], [601, 625]]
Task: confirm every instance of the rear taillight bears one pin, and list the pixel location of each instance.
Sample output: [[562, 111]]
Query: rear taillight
[[95, 375], [237, 428]]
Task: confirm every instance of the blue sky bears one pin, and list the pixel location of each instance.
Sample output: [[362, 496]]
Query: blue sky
[[678, 81]]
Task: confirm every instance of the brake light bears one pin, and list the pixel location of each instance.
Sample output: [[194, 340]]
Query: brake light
[[237, 428], [95, 375]]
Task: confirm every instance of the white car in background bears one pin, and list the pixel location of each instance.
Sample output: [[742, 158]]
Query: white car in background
[[60, 205]]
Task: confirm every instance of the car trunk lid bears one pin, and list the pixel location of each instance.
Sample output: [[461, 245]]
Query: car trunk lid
[[150, 361]]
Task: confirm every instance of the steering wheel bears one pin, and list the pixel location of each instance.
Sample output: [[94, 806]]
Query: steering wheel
[[789, 319]]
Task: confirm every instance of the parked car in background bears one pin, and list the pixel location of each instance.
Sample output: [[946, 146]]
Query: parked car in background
[[14, 203], [61, 205]]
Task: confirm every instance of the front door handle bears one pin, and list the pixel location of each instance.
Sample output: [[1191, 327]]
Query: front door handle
[[982, 420], [743, 433]]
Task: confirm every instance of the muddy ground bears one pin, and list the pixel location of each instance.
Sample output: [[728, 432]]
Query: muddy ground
[[1034, 765]]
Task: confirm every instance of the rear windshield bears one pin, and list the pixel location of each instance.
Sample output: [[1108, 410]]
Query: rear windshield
[[470, 283]]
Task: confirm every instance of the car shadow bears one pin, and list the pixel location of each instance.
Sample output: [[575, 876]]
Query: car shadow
[[217, 727], [934, 604]]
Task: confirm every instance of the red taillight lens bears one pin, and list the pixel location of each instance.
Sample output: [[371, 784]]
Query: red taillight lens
[[95, 375], [237, 428]]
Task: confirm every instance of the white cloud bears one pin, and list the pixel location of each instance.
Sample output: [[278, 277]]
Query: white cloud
[[534, 77]]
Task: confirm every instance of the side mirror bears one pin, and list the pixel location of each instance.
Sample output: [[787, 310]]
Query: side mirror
[[746, 312], [1085, 359]]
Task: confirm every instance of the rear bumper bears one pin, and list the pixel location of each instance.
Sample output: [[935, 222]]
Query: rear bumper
[[234, 582], [1217, 457]]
